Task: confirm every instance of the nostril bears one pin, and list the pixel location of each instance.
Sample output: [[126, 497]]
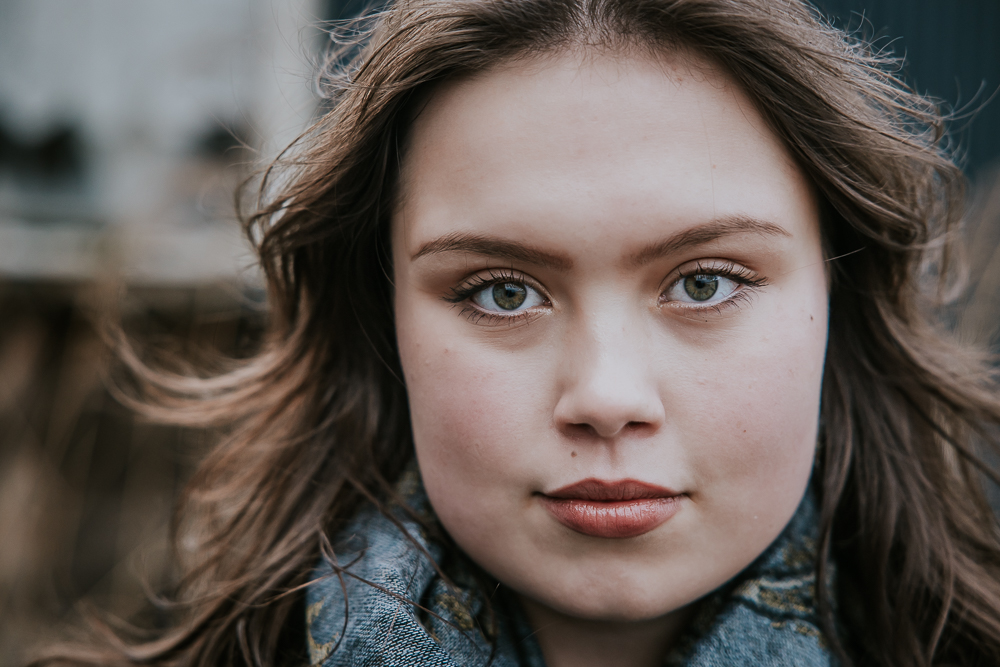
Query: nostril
[[581, 430], [639, 428], [585, 430]]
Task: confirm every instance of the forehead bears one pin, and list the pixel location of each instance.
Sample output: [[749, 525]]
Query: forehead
[[586, 146]]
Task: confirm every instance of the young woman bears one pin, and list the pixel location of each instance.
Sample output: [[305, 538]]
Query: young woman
[[601, 334]]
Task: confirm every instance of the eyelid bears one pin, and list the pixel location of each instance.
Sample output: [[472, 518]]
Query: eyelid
[[478, 281], [749, 282], [726, 268], [473, 284]]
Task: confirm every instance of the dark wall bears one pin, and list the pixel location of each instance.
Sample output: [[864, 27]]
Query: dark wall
[[952, 49]]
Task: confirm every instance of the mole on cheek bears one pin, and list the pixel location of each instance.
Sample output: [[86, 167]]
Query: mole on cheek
[[573, 454]]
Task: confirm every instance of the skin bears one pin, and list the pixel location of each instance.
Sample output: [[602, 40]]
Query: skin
[[596, 181]]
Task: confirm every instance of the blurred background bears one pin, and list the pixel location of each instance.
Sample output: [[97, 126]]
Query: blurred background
[[125, 126]]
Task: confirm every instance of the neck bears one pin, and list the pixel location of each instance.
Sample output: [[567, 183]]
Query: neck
[[568, 641]]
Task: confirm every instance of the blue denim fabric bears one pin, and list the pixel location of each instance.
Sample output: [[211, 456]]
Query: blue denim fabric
[[766, 616]]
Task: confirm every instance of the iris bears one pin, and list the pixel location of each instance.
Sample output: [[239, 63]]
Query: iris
[[700, 287], [509, 296]]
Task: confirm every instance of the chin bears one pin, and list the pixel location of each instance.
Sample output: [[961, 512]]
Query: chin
[[615, 600]]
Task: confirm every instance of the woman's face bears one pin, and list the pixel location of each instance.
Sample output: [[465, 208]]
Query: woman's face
[[611, 308]]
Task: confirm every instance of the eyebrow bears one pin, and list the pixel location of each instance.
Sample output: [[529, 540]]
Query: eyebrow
[[492, 246], [716, 229], [495, 247]]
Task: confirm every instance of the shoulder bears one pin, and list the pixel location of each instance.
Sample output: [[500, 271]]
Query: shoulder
[[383, 599], [768, 615]]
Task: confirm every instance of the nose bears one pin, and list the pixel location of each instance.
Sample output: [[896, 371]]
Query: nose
[[608, 384]]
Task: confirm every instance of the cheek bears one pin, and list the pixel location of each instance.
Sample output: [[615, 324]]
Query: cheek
[[764, 408], [474, 411], [758, 441]]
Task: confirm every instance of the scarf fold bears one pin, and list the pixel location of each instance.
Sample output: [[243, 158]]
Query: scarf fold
[[390, 606]]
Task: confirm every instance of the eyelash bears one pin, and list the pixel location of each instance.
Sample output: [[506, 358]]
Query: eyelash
[[749, 281], [464, 292]]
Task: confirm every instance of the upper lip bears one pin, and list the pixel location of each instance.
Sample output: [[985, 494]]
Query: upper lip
[[601, 490]]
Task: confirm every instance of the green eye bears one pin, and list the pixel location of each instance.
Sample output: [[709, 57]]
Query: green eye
[[509, 296], [701, 287], [706, 289]]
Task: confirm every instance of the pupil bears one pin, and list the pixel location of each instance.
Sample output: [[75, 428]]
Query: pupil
[[701, 287], [509, 295]]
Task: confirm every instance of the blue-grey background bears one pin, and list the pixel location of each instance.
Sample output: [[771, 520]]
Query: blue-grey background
[[952, 50]]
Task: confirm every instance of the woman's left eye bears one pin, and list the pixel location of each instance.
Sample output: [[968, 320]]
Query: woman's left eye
[[701, 289], [507, 297]]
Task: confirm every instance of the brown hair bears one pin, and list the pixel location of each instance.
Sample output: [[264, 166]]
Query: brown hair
[[318, 419]]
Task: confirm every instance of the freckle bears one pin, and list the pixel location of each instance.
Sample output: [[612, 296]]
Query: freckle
[[744, 430], [573, 454], [810, 318]]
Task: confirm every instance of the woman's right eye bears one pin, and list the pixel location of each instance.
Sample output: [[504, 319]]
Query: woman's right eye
[[507, 297]]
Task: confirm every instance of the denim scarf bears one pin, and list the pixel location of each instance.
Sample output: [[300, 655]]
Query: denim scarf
[[400, 611]]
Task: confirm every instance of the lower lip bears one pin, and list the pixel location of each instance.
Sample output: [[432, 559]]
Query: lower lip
[[612, 519]]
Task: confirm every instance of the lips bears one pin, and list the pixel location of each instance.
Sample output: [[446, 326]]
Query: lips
[[614, 510]]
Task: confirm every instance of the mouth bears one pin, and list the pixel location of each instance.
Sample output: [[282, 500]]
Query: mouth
[[612, 510]]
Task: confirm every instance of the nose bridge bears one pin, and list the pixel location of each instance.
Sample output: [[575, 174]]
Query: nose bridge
[[608, 383], [604, 345]]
